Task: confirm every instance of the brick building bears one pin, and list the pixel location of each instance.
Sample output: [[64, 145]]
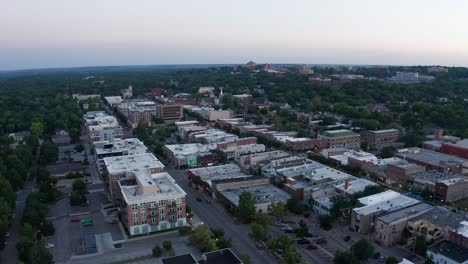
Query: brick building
[[380, 136]]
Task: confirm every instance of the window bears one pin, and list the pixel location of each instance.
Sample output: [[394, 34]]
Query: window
[[172, 210], [162, 211], [162, 203], [172, 217], [163, 218], [179, 215], [143, 214], [179, 200], [153, 213], [143, 221], [143, 206], [153, 221], [179, 208], [135, 215], [152, 205], [135, 222], [134, 207]]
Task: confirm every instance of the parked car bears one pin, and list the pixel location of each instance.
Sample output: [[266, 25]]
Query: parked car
[[259, 245], [312, 247], [208, 201], [303, 241], [285, 227], [199, 199], [321, 241], [347, 238], [49, 245], [381, 259], [377, 255], [279, 223]]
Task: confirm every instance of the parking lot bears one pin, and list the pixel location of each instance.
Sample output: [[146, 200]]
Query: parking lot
[[74, 238]]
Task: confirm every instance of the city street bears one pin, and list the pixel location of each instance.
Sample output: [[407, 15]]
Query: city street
[[215, 215]]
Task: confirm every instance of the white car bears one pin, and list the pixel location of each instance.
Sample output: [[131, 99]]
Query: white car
[[50, 245]]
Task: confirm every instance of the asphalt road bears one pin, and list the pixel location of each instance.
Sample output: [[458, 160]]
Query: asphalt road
[[215, 215]]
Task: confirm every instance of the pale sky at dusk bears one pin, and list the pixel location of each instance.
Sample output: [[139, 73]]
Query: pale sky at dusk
[[58, 33]]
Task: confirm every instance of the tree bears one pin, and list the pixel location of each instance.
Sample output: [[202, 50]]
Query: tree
[[258, 232], [303, 229], [420, 246], [202, 238], [41, 255], [290, 256], [387, 152], [37, 128], [362, 249], [246, 209], [157, 251], [391, 260], [167, 245], [345, 258], [262, 219], [278, 210], [326, 222], [245, 258], [294, 205]]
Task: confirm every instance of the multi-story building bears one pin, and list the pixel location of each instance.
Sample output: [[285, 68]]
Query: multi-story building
[[380, 136], [151, 203], [121, 147], [373, 206], [102, 127], [341, 138], [170, 112], [140, 115], [211, 136], [190, 155], [113, 100], [452, 189], [306, 144], [252, 162], [401, 170], [127, 168], [433, 160]]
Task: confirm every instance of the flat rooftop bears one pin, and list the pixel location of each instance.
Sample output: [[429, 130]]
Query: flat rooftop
[[358, 155], [387, 201], [181, 259], [382, 131], [222, 172], [132, 163], [193, 149], [222, 256], [450, 250], [406, 213], [432, 177], [356, 185], [442, 217], [461, 144], [149, 188], [339, 133], [264, 193], [430, 157], [107, 147]]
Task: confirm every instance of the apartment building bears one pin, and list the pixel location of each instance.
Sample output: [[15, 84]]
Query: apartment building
[[127, 168], [102, 127], [120, 147], [306, 144], [170, 112], [151, 203]]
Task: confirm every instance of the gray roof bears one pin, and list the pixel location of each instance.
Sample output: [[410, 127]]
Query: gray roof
[[450, 250], [405, 213], [442, 217]]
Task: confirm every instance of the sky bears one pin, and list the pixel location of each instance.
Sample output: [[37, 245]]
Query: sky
[[58, 33]]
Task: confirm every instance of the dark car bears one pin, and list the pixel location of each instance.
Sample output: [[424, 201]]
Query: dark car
[[377, 255], [347, 238], [74, 220], [199, 199], [303, 241], [208, 201], [321, 241], [312, 247]]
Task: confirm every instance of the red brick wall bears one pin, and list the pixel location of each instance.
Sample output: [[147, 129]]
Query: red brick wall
[[455, 150]]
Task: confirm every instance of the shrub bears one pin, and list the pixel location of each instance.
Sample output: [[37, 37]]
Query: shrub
[[157, 251], [167, 245]]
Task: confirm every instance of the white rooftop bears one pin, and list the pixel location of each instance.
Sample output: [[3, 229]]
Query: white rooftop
[[228, 171], [129, 144], [132, 163], [149, 188], [359, 155], [385, 201], [355, 186], [193, 149]]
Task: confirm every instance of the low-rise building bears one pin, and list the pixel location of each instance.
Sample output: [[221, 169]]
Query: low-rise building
[[306, 144], [205, 176], [191, 123], [401, 170], [263, 191], [459, 148], [211, 136], [127, 168], [234, 152], [151, 203], [341, 138], [448, 252], [389, 228], [121, 147], [432, 160], [252, 162], [190, 155], [380, 136], [373, 206], [113, 100]]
